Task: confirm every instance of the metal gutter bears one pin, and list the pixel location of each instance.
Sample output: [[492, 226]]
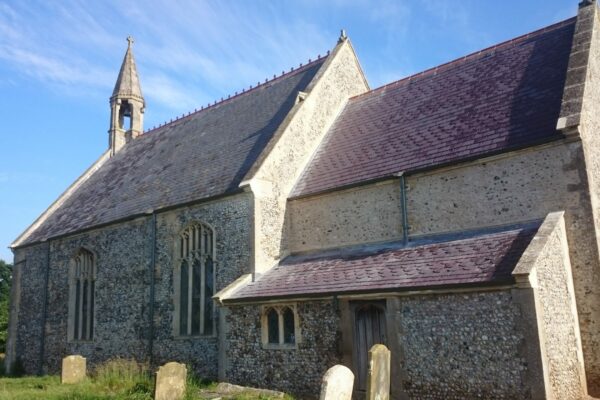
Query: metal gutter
[[403, 207]]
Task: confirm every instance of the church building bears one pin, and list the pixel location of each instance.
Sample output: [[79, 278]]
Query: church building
[[453, 215]]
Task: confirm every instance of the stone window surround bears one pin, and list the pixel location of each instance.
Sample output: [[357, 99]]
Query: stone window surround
[[72, 295], [265, 327], [177, 251]]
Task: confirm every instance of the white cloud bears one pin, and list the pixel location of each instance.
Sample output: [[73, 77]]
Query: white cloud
[[447, 12], [54, 70], [188, 52], [169, 93]]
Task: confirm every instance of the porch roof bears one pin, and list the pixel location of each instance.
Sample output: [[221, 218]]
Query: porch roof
[[475, 258]]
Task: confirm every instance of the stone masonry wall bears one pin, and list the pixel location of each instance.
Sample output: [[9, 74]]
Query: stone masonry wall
[[527, 185], [366, 214], [338, 79], [298, 371], [121, 254], [458, 346], [232, 221], [506, 189], [590, 130], [564, 361], [123, 258], [27, 344]]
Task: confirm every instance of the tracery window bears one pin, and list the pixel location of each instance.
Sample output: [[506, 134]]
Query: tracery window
[[280, 326], [82, 286], [194, 281]]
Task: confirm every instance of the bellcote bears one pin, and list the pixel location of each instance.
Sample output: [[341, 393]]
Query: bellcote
[[126, 104]]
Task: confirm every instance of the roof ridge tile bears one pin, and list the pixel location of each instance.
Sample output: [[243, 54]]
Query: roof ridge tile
[[237, 94], [483, 52]]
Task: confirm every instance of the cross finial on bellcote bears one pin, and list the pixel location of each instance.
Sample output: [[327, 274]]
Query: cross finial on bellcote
[[129, 41]]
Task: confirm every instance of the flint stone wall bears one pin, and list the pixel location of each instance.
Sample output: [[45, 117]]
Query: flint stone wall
[[528, 185], [298, 371], [457, 346], [504, 189], [231, 219], [123, 256], [28, 327]]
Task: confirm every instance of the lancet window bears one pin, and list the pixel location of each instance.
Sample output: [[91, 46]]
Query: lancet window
[[195, 281], [280, 328], [82, 294]]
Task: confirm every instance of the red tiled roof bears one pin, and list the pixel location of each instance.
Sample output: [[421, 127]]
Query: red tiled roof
[[484, 258], [501, 98]]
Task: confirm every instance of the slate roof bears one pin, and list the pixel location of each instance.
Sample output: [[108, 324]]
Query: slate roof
[[200, 156], [501, 98], [480, 259], [128, 81]]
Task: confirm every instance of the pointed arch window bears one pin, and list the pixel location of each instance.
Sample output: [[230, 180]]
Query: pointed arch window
[[195, 281], [280, 327], [82, 288]]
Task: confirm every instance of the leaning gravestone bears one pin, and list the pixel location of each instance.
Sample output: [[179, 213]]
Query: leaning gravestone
[[73, 369], [337, 384], [378, 379], [170, 382]]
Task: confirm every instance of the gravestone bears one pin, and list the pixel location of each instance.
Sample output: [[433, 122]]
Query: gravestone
[[229, 389], [73, 369], [170, 382], [378, 378], [337, 384]]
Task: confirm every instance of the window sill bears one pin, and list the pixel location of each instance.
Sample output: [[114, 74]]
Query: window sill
[[273, 346], [195, 337]]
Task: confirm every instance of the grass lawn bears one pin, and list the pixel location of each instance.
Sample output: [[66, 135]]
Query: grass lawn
[[50, 388], [116, 380]]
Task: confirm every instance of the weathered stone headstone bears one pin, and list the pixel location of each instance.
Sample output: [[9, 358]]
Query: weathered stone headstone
[[378, 378], [225, 388], [170, 382], [337, 384], [73, 369]]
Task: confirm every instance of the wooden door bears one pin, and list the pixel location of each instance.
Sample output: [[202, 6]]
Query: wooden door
[[369, 329]]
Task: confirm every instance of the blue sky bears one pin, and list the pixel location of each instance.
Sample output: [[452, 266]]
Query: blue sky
[[59, 61]]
